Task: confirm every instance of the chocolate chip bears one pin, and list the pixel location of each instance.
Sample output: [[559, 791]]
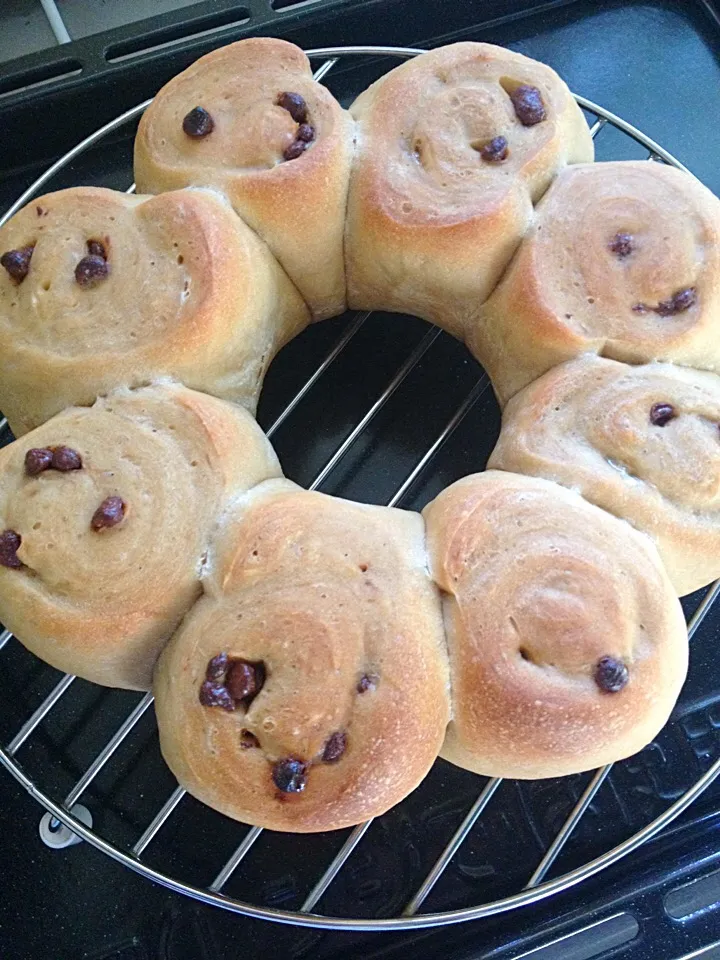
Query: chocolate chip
[[640, 308], [198, 123], [528, 105], [290, 775], [621, 245], [611, 675], [215, 695], [37, 460], [17, 263], [677, 303], [245, 679], [217, 668], [96, 248], [9, 546], [65, 459], [109, 514], [367, 682], [91, 270], [335, 747], [248, 740], [496, 151], [662, 413], [296, 148], [295, 106], [306, 133]]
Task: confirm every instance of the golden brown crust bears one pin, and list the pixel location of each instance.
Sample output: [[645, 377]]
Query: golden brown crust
[[191, 293], [641, 442], [297, 206], [611, 243], [323, 592], [431, 225], [540, 586], [102, 603]]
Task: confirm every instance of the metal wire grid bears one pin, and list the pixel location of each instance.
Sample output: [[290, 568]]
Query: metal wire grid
[[535, 888]]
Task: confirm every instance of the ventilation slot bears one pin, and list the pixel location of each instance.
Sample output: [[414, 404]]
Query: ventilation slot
[[176, 34], [593, 941], [31, 79], [693, 897], [284, 4]]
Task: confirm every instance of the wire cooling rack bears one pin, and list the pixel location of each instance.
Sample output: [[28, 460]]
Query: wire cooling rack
[[63, 811]]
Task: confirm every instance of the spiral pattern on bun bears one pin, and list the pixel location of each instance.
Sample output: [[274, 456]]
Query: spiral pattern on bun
[[119, 290], [106, 515], [454, 147], [250, 120], [623, 260], [308, 690], [641, 442], [567, 646]]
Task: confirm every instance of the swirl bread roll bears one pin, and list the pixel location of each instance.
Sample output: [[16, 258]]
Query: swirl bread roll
[[99, 289], [250, 120], [106, 515], [641, 442], [454, 147], [623, 260], [308, 690], [568, 647]]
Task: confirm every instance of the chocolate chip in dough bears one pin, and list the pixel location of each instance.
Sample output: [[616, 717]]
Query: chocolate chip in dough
[[109, 514], [216, 669], [91, 270], [38, 460], [295, 106], [9, 546], [368, 681], [496, 151], [306, 133], [677, 303], [661, 414], [244, 679], [65, 459], [621, 245], [335, 747], [96, 248], [290, 775], [215, 695], [528, 105], [198, 123], [611, 674], [248, 740], [17, 263], [295, 150]]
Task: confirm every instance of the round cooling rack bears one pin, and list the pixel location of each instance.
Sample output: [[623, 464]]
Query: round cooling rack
[[68, 811]]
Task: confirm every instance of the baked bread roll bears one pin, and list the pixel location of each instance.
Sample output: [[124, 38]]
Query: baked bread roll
[[454, 147], [568, 647], [101, 289], [250, 120], [623, 260], [640, 442], [308, 690], [106, 514]]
